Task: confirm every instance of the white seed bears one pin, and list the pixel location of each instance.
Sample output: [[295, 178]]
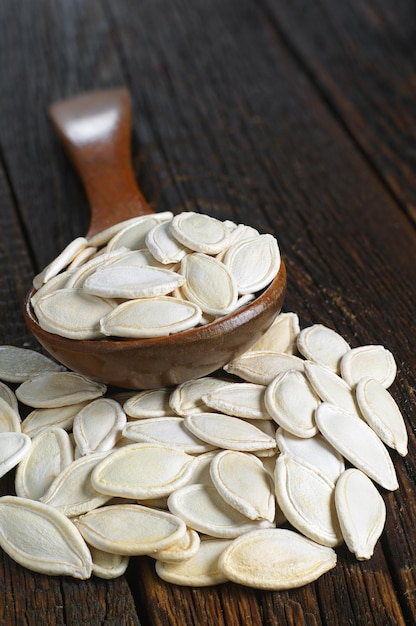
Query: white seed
[[151, 317], [262, 367], [163, 246], [9, 396], [209, 284], [181, 550], [149, 403], [98, 426], [135, 258], [200, 232], [19, 364], [201, 468], [76, 279], [142, 471], [130, 529], [168, 431], [104, 236], [281, 335], [57, 389], [275, 559], [72, 313], [64, 258], [292, 402], [361, 512], [72, 491], [307, 499], [57, 282], [42, 539], [242, 481], [186, 398], [9, 418], [382, 413], [202, 508], [106, 565], [228, 432], [253, 262], [81, 257], [201, 570], [374, 361], [358, 443], [133, 235], [315, 451], [331, 388], [132, 282], [13, 447], [51, 451], [43, 419], [322, 345], [238, 399]]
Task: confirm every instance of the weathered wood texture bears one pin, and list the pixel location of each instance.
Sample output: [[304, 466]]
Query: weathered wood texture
[[297, 118]]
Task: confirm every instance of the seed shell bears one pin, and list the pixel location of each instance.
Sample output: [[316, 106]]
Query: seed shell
[[374, 361], [106, 565], [292, 402], [242, 481], [200, 570], [209, 284], [149, 403], [281, 335], [50, 453], [200, 232], [181, 550], [9, 397], [43, 419], [307, 499], [130, 529], [64, 258], [150, 317], [42, 539], [163, 247], [130, 282], [331, 388], [361, 512], [358, 443], [9, 418], [19, 364], [382, 414], [98, 425], [225, 431], [133, 235], [262, 367], [202, 508], [253, 262], [142, 471], [168, 431], [322, 345], [58, 389], [13, 447], [275, 559], [239, 400], [186, 398]]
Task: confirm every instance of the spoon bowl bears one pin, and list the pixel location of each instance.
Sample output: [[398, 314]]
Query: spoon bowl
[[95, 129]]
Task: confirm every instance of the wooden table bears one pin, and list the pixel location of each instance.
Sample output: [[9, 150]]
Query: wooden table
[[298, 118]]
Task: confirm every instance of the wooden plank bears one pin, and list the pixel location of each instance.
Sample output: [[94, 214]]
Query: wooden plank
[[362, 57]]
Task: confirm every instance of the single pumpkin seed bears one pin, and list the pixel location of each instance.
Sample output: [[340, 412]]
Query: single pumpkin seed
[[168, 431], [239, 400], [58, 389], [130, 282], [200, 232], [262, 367], [19, 364], [322, 345], [374, 361], [253, 262], [281, 335], [9, 418], [98, 425], [209, 284], [13, 447]]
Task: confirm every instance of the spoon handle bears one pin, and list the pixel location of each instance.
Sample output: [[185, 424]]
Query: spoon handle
[[95, 129]]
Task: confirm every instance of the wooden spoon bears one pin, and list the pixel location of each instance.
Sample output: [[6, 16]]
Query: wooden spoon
[[95, 129]]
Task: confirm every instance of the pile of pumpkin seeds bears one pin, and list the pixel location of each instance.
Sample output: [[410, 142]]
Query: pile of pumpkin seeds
[[255, 475], [152, 276]]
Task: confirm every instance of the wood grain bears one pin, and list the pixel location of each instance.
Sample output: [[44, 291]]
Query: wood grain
[[294, 117]]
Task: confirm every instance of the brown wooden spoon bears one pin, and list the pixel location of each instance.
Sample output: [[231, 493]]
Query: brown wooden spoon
[[95, 129]]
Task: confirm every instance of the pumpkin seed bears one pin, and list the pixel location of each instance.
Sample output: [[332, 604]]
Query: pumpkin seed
[[181, 550], [374, 361], [9, 418], [58, 389], [9, 396], [331, 388], [358, 443], [275, 559], [322, 345], [200, 570], [187, 397], [133, 235], [129, 529], [106, 565], [163, 247], [42, 539], [149, 403], [200, 232], [382, 413], [253, 262], [262, 367], [202, 508], [13, 447], [98, 425], [131, 282], [281, 335], [142, 471], [291, 402], [150, 317], [361, 512], [43, 419], [239, 400], [50, 453], [168, 431], [19, 364]]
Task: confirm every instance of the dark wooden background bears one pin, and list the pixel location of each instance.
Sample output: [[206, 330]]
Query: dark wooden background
[[298, 118]]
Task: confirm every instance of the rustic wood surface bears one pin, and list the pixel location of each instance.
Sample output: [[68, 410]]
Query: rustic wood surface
[[298, 118]]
